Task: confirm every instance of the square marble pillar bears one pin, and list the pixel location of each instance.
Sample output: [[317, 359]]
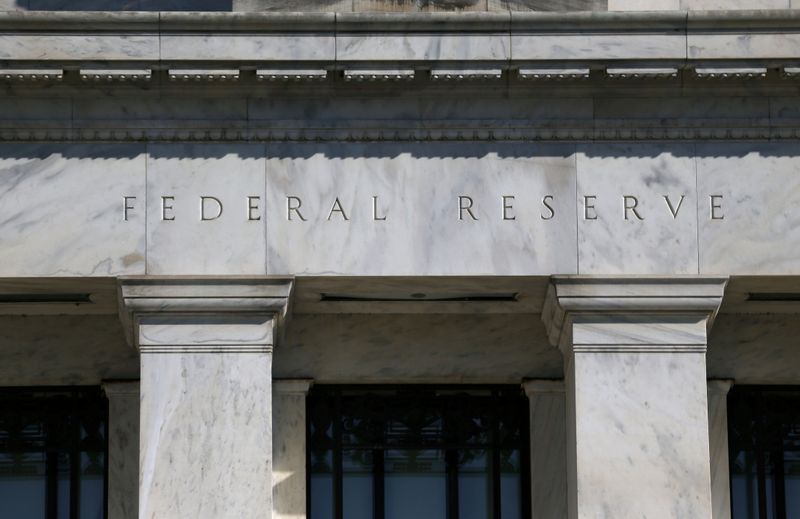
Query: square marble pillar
[[206, 393], [123, 448], [289, 448], [718, 447], [548, 447], [637, 410]]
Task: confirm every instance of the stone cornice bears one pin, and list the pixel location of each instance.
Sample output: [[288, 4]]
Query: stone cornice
[[192, 296], [626, 298], [336, 41]]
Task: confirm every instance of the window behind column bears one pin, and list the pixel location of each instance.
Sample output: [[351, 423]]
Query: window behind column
[[53, 452], [424, 452], [764, 441]]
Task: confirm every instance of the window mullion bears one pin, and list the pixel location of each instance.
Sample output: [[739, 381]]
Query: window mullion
[[378, 500], [495, 450], [338, 477], [451, 462], [74, 461], [51, 487]]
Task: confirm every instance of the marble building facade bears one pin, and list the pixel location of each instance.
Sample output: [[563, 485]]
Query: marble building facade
[[209, 214]]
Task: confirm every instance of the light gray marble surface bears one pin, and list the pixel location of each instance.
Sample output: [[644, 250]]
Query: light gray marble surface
[[664, 240], [123, 449], [233, 243], [289, 448], [548, 437], [741, 46], [643, 5], [248, 47], [648, 426], [759, 232], [61, 210], [584, 46], [128, 47], [718, 445], [206, 435], [418, 189], [419, 47], [637, 405]]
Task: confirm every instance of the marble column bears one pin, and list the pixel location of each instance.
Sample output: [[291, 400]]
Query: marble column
[[548, 447], [718, 447], [289, 448], [123, 448], [206, 393], [636, 396]]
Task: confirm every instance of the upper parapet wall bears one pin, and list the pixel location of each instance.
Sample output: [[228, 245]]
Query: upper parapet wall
[[391, 5]]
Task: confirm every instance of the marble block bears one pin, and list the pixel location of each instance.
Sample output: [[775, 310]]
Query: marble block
[[206, 435], [656, 235], [756, 230], [548, 447], [248, 47], [392, 209], [742, 45], [729, 5], [64, 47], [641, 435], [289, 448], [643, 5], [718, 445], [354, 47], [62, 210], [637, 405], [123, 449], [587, 46], [233, 242]]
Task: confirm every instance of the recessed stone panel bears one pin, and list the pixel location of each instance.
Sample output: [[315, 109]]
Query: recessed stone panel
[[205, 209], [755, 228], [657, 233], [401, 209], [61, 210]]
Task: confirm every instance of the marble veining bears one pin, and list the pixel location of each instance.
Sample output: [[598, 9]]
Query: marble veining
[[275, 47], [418, 47], [232, 239], [134, 47], [206, 436], [396, 209], [61, 212], [759, 230], [648, 427], [660, 237]]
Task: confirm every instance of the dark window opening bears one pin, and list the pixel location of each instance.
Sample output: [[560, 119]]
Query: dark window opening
[[380, 452], [53, 453], [764, 441]]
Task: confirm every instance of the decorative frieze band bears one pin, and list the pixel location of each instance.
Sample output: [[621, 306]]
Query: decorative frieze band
[[30, 133], [213, 46]]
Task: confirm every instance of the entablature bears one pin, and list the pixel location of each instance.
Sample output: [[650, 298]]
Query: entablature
[[530, 46]]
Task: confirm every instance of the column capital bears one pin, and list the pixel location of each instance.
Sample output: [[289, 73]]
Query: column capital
[[114, 388], [201, 298], [629, 300], [538, 386], [719, 386], [292, 386]]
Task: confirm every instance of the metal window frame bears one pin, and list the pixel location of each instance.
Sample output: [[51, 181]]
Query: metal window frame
[[451, 450], [767, 447], [77, 396]]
